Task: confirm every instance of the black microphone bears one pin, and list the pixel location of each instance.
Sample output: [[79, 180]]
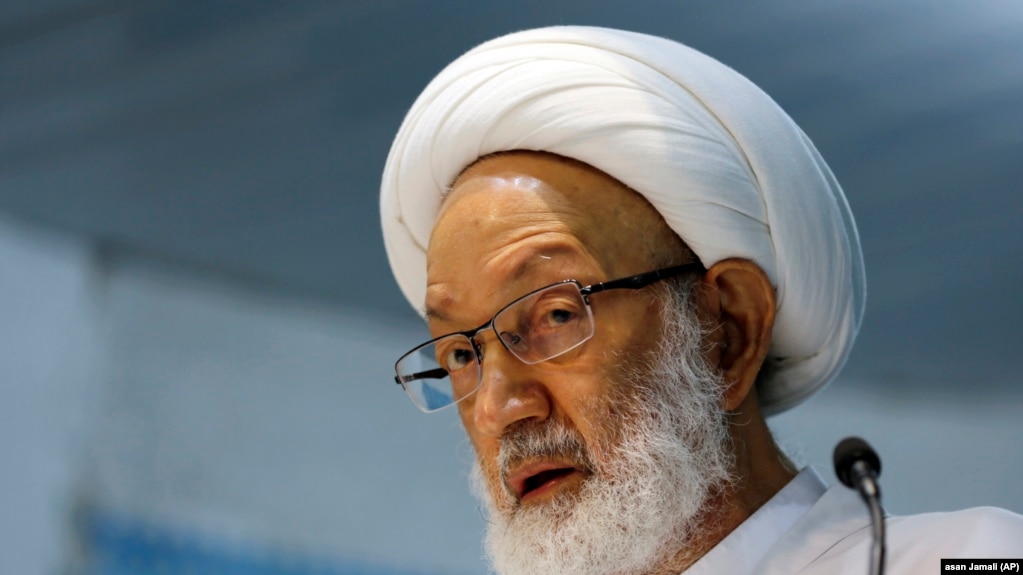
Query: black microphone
[[858, 467], [852, 451]]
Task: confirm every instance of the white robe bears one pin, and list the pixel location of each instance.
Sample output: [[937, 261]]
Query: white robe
[[811, 530]]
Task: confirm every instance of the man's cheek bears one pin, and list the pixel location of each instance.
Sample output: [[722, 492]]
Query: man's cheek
[[603, 424], [486, 458], [500, 497]]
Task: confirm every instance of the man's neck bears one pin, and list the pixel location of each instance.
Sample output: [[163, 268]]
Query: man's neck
[[761, 471]]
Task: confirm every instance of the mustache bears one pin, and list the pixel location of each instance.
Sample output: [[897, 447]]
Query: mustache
[[551, 439]]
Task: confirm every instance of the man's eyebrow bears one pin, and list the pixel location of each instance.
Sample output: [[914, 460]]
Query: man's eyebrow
[[546, 253], [435, 314]]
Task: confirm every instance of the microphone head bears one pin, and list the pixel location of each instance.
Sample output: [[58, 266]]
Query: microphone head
[[849, 451]]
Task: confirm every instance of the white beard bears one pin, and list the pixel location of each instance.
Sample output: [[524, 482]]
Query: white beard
[[646, 497]]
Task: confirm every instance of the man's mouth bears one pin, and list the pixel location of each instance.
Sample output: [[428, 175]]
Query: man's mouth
[[535, 480]]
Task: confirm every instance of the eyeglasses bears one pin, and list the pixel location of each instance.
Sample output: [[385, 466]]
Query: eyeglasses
[[537, 327]]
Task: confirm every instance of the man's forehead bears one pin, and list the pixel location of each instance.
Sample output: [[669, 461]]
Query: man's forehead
[[526, 170], [531, 189]]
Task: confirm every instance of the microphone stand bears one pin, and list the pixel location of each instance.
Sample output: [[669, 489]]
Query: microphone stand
[[858, 466]]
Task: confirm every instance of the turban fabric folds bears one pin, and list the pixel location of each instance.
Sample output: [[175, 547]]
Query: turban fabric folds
[[728, 170]]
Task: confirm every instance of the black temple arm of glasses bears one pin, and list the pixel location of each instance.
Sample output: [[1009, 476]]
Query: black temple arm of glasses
[[438, 373], [642, 280]]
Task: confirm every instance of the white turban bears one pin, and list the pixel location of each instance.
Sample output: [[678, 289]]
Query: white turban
[[728, 170]]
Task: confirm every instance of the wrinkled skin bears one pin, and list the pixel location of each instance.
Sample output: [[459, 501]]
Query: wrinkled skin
[[522, 220]]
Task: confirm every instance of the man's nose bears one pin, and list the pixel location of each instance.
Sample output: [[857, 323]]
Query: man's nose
[[509, 391]]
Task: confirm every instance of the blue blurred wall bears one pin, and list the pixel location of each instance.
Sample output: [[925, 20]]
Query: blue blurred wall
[[52, 373]]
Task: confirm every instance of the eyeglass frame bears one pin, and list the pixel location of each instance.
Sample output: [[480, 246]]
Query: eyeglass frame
[[637, 281]]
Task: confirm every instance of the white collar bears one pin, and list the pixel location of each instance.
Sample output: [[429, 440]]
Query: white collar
[[743, 548]]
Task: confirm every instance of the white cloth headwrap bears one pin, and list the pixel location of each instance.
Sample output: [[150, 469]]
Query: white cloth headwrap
[[730, 172]]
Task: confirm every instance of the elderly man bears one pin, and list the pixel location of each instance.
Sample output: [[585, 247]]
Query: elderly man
[[628, 255]]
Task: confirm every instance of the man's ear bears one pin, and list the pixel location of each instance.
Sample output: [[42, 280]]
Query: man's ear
[[738, 298]]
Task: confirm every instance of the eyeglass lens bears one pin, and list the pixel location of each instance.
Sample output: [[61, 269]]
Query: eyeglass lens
[[535, 328]]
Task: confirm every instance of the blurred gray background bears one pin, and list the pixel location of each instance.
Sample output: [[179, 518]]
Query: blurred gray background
[[199, 321]]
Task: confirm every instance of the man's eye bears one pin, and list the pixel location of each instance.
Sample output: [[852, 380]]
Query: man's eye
[[554, 318], [456, 359], [558, 317]]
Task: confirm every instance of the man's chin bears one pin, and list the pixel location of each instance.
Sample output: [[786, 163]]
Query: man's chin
[[550, 508]]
